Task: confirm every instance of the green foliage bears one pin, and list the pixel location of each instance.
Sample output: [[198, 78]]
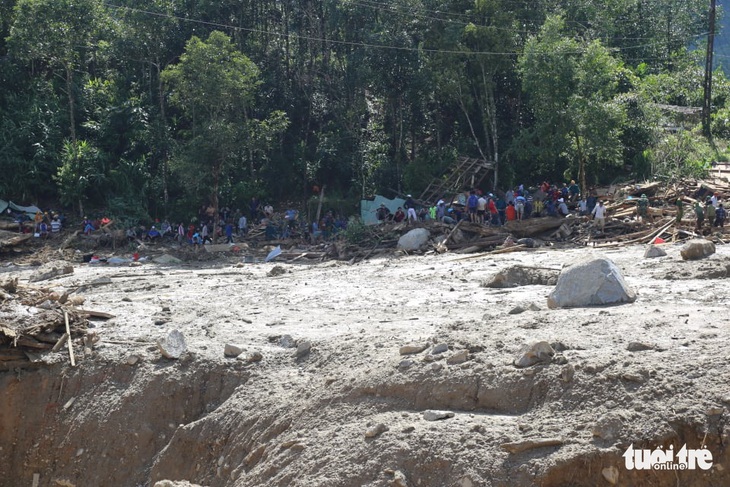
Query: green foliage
[[681, 155], [77, 172], [356, 232]]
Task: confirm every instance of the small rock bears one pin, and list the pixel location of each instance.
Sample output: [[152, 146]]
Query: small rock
[[411, 349], [440, 348], [433, 415], [133, 360], [303, 349], [408, 429], [166, 259], [517, 310], [286, 341], [536, 353], [610, 474], [567, 374], [232, 350], [632, 377], [654, 251], [277, 270], [376, 431], [533, 307], [399, 479], [715, 411], [608, 426], [173, 345], [639, 347], [254, 357], [51, 270], [458, 358], [405, 363], [436, 367]]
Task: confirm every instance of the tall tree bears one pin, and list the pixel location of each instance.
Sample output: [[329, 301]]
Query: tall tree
[[214, 85], [572, 86], [60, 36]]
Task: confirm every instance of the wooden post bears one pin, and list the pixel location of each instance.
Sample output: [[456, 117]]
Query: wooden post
[[70, 342], [319, 206]]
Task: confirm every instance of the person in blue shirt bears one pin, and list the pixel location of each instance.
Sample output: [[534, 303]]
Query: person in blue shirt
[[153, 234]]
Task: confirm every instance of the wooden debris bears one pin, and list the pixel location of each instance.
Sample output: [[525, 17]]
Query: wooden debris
[[70, 343]]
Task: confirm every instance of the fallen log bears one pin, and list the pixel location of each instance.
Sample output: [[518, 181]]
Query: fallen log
[[533, 227]]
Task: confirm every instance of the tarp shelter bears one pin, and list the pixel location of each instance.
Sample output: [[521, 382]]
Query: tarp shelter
[[368, 207], [28, 210]]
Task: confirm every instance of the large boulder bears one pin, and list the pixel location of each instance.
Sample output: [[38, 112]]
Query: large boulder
[[590, 282], [697, 248], [414, 240], [518, 275]]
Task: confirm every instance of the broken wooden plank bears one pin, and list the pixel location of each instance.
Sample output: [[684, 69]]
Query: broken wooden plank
[[93, 314], [70, 342], [526, 445]]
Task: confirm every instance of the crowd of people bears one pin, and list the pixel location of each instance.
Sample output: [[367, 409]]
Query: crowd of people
[[486, 208]]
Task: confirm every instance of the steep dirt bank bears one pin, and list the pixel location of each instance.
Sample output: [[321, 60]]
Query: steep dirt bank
[[351, 411]]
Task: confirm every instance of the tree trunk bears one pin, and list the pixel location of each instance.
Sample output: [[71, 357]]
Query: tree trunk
[[214, 199], [71, 103], [163, 127]]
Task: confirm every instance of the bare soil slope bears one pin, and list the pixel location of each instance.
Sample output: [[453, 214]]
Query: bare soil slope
[[349, 411]]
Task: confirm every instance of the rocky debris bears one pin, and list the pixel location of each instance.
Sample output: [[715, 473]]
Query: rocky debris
[[567, 374], [439, 348], [434, 415], [639, 347], [526, 445], [303, 349], [166, 259], [277, 270], [610, 474], [254, 357], [286, 341], [540, 352], [133, 359], [458, 358], [414, 239], [376, 431], [9, 284], [173, 345], [51, 270], [697, 249], [405, 364], [175, 483], [590, 282], [518, 275], [413, 349], [232, 351], [608, 427], [654, 251], [521, 308], [399, 479]]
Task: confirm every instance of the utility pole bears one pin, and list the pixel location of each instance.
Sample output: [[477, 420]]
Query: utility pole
[[707, 103]]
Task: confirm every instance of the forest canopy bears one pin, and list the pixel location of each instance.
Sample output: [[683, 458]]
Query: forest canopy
[[152, 108]]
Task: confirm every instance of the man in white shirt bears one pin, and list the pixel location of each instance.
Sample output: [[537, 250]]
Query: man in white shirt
[[599, 214], [242, 224]]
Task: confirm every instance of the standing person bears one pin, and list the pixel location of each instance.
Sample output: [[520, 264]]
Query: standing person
[[242, 226], [481, 209], [229, 232], [574, 191], [493, 211], [700, 214], [680, 210], [720, 216], [520, 206], [471, 206], [510, 212], [599, 215], [710, 212], [642, 207], [410, 206]]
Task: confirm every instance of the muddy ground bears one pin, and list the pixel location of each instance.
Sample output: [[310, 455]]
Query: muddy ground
[[349, 411]]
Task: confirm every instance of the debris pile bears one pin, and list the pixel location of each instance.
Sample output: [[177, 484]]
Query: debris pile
[[36, 320]]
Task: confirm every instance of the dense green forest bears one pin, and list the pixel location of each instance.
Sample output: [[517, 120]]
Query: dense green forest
[[152, 108]]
